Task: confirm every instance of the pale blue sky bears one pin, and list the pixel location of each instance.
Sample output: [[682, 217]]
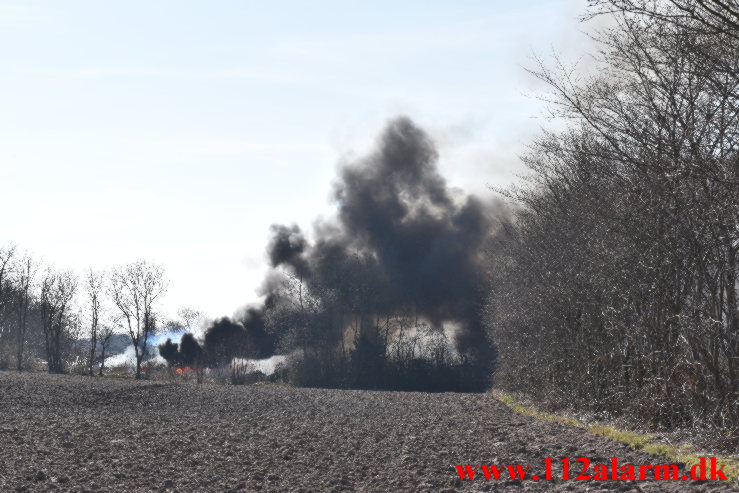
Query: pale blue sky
[[180, 130]]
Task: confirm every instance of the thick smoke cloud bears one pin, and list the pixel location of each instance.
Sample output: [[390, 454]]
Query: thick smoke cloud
[[402, 244], [419, 243], [224, 340], [170, 351], [190, 351], [187, 353], [261, 344], [287, 247]]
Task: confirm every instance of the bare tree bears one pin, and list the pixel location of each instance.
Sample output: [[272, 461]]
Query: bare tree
[[57, 292], [190, 318], [616, 286], [7, 254], [135, 290], [23, 283], [714, 16], [94, 289], [105, 333]]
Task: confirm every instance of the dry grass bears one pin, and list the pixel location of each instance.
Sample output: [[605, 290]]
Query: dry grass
[[644, 442]]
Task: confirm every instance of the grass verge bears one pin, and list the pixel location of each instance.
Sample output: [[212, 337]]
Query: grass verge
[[639, 441]]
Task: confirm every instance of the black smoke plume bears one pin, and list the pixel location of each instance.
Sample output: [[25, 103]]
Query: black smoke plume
[[187, 353], [416, 244], [403, 244], [190, 351], [287, 247], [224, 340], [170, 351], [261, 343]]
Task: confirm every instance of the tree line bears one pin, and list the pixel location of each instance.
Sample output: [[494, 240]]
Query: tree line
[[615, 285], [55, 316]]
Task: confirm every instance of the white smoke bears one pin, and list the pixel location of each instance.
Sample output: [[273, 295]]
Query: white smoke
[[128, 356], [266, 366]]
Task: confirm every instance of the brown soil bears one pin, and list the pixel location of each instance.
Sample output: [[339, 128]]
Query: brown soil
[[68, 433]]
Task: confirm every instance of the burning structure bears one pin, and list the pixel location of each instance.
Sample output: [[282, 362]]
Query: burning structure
[[387, 294]]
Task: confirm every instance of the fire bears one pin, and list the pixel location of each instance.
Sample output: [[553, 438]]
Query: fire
[[181, 371]]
